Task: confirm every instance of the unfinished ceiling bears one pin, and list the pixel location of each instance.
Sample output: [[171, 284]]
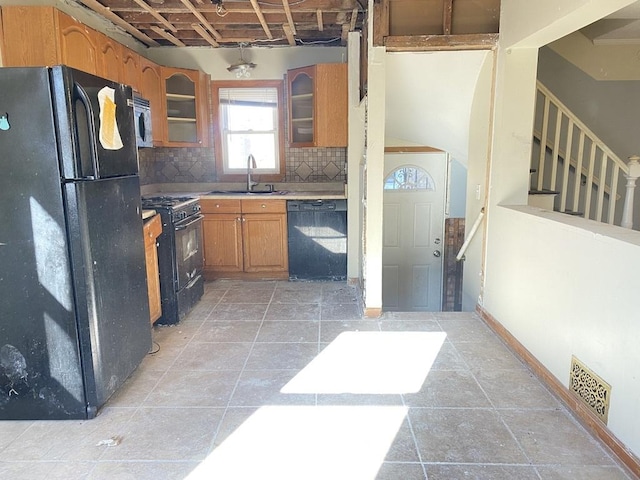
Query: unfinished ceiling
[[422, 25], [219, 23]]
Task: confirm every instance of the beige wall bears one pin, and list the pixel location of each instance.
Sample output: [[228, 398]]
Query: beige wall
[[602, 62], [563, 286]]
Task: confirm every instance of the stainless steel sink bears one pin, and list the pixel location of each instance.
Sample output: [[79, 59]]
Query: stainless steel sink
[[246, 192]]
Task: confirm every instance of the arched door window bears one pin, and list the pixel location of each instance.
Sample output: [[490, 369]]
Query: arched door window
[[409, 177]]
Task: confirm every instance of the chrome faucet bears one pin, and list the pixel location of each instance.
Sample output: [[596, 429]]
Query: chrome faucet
[[251, 163]]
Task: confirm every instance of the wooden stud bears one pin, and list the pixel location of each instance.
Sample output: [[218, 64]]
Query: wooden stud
[[354, 19], [203, 33], [156, 15], [202, 19], [166, 35], [260, 16], [319, 16], [109, 15], [289, 34], [287, 11], [345, 33], [380, 22], [446, 16]]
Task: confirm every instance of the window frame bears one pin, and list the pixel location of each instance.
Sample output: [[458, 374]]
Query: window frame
[[217, 131]]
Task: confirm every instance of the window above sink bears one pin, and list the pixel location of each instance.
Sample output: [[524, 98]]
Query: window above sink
[[248, 119]]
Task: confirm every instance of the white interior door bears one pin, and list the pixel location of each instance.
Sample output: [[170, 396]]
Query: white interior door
[[413, 231]]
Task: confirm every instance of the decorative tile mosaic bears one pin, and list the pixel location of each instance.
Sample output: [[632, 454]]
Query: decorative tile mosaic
[[197, 165], [176, 165]]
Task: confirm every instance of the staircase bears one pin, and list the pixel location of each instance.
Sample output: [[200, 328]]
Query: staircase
[[574, 171]]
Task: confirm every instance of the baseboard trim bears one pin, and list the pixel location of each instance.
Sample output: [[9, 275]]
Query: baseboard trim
[[586, 417], [372, 312]]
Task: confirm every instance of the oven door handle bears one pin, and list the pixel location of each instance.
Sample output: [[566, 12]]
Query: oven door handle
[[180, 226]]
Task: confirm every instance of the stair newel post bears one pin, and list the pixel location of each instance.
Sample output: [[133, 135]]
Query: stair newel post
[[632, 176]]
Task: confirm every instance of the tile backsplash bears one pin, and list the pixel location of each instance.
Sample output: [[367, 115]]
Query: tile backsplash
[[197, 165]]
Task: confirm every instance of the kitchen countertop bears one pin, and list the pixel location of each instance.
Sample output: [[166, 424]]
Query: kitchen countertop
[[148, 214], [284, 191], [280, 195]]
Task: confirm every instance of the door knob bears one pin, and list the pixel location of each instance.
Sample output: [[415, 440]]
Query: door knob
[[436, 253]]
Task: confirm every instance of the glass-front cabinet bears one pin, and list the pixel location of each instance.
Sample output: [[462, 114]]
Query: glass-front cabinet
[[301, 102], [185, 113], [318, 105]]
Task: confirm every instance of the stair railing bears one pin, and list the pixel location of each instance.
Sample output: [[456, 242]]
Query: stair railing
[[586, 172]]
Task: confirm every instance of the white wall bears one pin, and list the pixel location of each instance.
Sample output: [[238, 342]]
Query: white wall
[[601, 62], [429, 96], [558, 283], [563, 289], [479, 153], [272, 63]]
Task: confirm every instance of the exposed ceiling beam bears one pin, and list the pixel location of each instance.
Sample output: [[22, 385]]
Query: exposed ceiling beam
[[287, 11], [200, 17], [260, 16], [105, 12], [156, 15], [424, 43], [204, 34], [289, 34], [167, 36]]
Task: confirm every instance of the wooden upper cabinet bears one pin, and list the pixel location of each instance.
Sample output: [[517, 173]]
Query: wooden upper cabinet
[[151, 88], [185, 97], [318, 98], [29, 36], [78, 45], [131, 68], [109, 58]]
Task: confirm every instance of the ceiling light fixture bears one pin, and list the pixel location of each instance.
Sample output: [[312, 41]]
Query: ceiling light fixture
[[220, 10], [243, 68]]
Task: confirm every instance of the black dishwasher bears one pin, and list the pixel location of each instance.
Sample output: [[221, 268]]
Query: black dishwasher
[[317, 239]]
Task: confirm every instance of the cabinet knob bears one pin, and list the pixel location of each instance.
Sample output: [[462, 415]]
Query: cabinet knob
[[263, 206]]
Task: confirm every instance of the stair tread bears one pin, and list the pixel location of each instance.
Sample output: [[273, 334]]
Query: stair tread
[[543, 192]]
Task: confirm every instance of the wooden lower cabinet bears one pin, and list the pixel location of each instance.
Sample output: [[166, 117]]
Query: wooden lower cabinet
[[222, 242], [245, 238], [152, 229]]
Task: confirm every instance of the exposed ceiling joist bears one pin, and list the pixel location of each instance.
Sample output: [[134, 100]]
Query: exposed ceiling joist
[[260, 16], [204, 34], [167, 36], [200, 17], [289, 34], [105, 12], [156, 15], [287, 11]]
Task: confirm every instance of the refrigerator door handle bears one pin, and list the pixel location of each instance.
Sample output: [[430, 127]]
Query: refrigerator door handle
[[84, 98]]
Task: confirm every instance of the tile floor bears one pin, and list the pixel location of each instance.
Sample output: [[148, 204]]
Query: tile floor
[[279, 380]]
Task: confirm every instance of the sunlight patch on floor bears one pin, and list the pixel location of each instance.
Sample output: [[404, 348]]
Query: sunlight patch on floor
[[370, 363], [306, 442]]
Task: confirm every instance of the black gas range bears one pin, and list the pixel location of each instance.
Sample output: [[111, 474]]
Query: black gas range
[[180, 257]]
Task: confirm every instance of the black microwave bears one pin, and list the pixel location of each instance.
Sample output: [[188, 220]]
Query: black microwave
[[142, 115]]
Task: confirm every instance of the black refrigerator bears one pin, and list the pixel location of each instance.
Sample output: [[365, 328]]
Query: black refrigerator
[[74, 319]]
